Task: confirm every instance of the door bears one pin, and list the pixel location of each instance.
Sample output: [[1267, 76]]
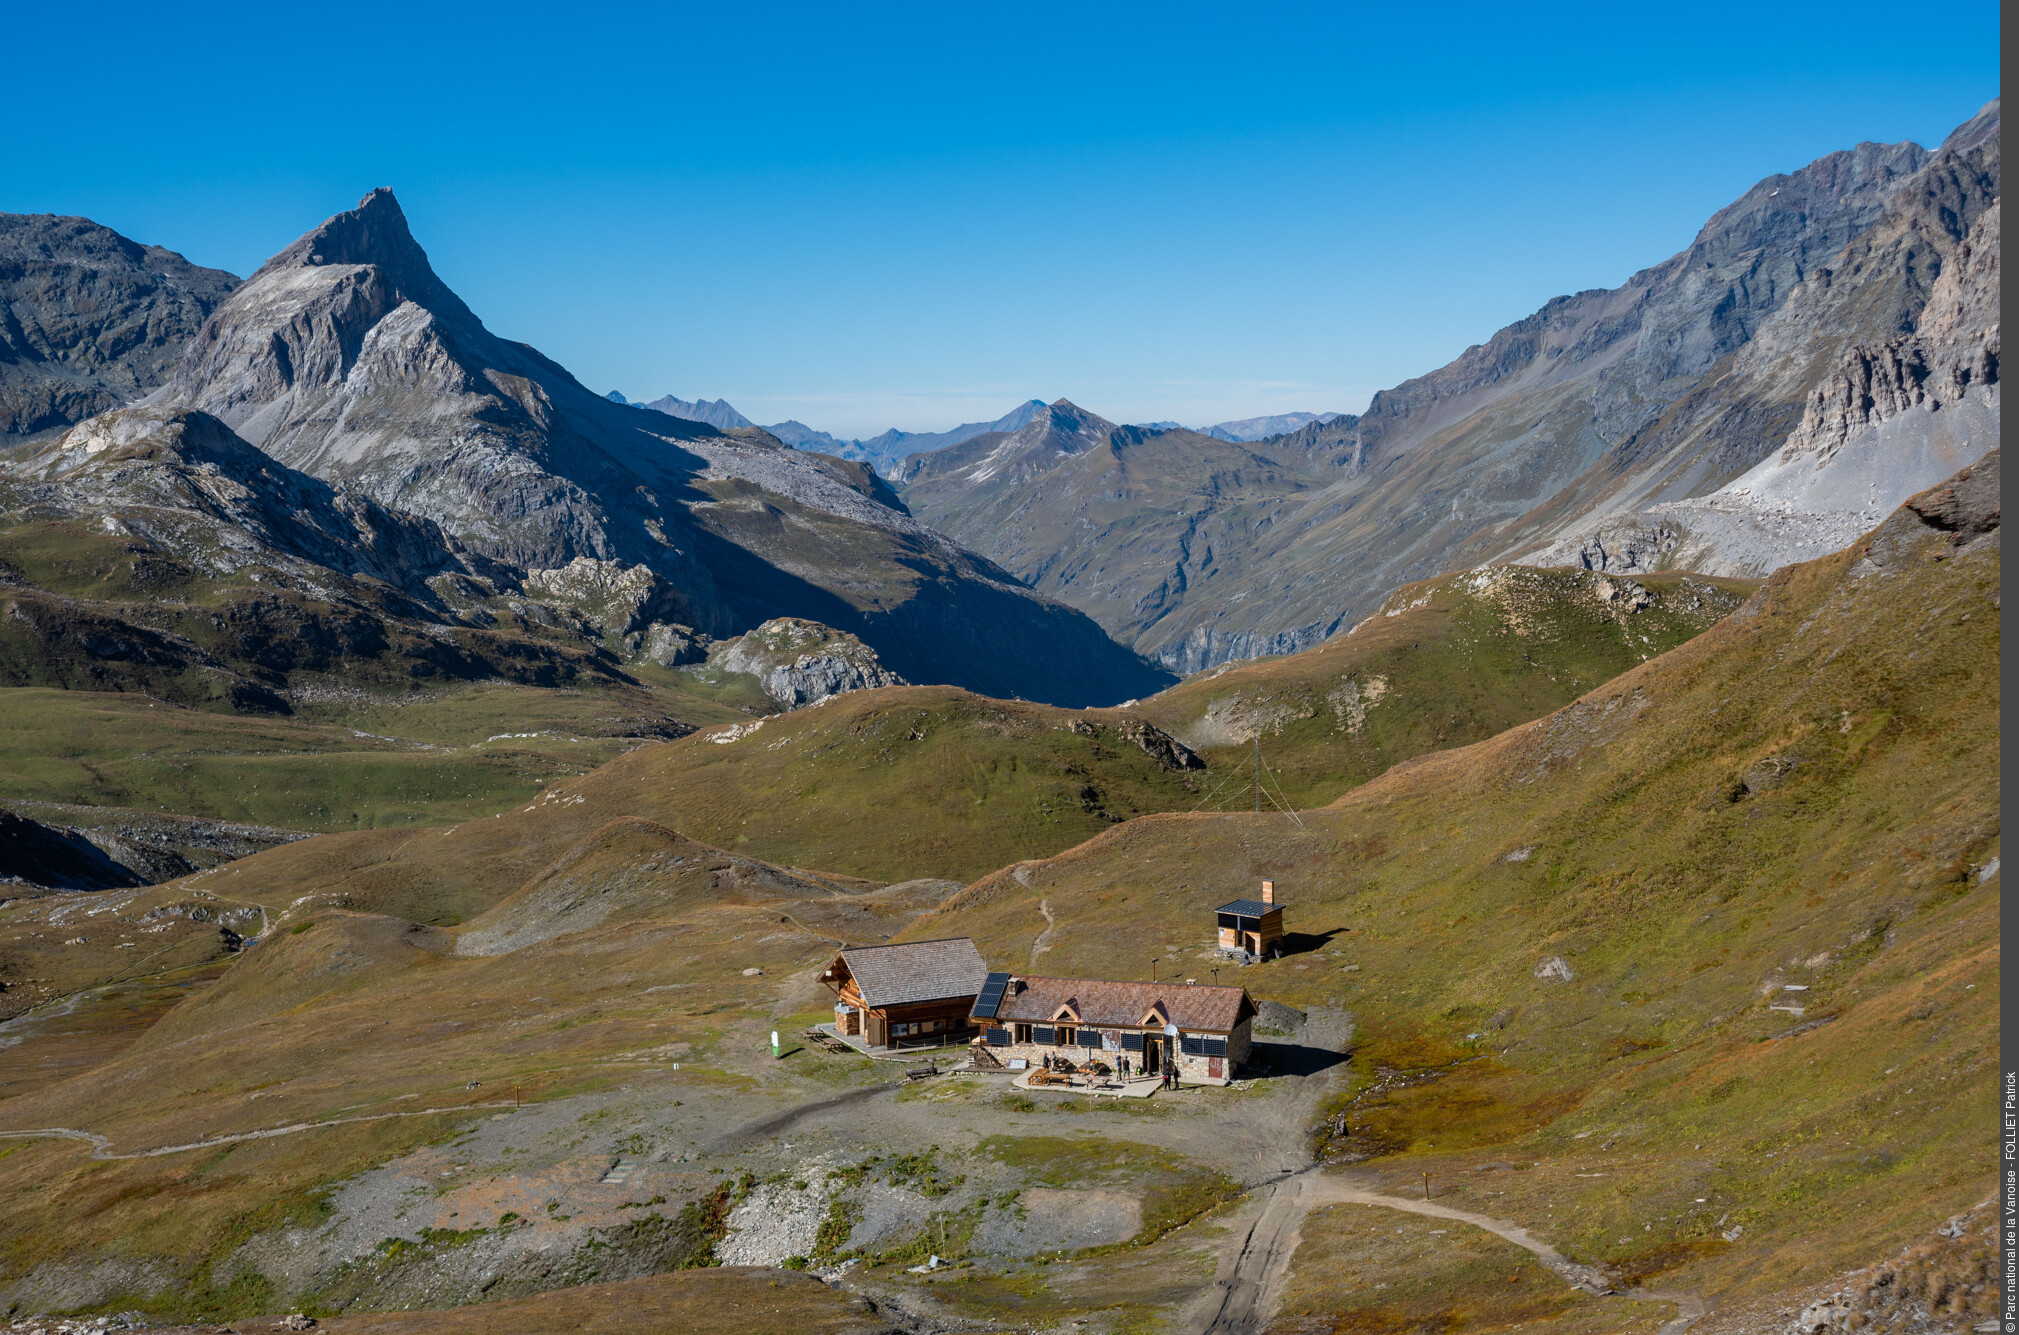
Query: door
[[1153, 1047], [877, 1029], [1216, 1067]]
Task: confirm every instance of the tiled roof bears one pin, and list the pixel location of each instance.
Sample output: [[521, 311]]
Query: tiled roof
[[1249, 908], [1104, 1003], [916, 971]]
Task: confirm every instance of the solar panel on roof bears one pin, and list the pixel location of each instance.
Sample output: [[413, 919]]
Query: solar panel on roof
[[990, 997]]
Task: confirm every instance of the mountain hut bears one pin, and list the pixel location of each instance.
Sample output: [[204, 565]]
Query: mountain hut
[[913, 994], [1203, 1032]]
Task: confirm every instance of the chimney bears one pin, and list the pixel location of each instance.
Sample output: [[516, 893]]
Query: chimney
[[1268, 892]]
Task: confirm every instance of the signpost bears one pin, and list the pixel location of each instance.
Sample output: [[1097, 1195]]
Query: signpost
[[774, 1043]]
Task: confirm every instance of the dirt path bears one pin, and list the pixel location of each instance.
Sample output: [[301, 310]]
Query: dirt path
[[101, 1146], [1249, 1285], [1044, 941]]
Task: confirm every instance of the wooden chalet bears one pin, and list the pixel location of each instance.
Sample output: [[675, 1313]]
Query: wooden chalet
[[906, 995], [1203, 1032], [1252, 929]]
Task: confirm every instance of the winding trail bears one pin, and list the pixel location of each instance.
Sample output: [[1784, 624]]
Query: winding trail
[[1044, 941], [1249, 1285], [101, 1146]]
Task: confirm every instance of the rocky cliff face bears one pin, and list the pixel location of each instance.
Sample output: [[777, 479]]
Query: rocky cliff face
[[89, 319], [183, 482], [1880, 374], [346, 357], [1601, 404], [1952, 353]]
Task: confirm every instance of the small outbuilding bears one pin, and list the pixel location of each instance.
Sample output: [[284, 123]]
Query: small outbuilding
[[912, 994], [1252, 929]]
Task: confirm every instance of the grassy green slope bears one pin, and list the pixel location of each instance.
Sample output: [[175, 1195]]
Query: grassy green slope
[[888, 785], [1767, 860], [352, 762], [1446, 662]]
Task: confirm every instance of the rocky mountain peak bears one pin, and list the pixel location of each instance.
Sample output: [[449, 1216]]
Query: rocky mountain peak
[[373, 234]]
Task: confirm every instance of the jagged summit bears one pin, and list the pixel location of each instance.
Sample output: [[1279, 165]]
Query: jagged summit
[[375, 233]]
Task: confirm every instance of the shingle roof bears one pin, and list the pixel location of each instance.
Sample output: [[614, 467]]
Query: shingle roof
[[916, 971], [1249, 908], [1102, 1002]]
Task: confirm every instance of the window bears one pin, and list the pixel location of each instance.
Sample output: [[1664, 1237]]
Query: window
[[1023, 1033], [1067, 1036], [933, 1026]]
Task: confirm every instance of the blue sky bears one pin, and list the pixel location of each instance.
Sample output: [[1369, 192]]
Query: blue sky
[[885, 215]]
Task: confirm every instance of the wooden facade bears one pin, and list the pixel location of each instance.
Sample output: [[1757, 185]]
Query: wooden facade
[[1252, 928], [914, 994]]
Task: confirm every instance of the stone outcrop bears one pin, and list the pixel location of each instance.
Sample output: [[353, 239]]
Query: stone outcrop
[[800, 662], [627, 603]]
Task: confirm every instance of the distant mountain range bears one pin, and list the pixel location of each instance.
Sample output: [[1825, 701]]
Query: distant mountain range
[[1827, 345], [1261, 428], [886, 453]]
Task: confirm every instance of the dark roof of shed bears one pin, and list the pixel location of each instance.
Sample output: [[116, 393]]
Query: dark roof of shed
[[916, 970], [1102, 1002], [1249, 908]]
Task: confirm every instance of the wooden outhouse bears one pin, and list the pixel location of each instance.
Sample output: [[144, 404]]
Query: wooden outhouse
[[1203, 1033], [912, 994], [1252, 928]]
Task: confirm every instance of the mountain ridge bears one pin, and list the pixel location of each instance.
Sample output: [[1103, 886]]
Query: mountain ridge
[[1556, 418], [89, 319]]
